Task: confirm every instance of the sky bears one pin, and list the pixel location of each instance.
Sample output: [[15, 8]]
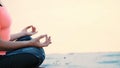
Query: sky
[[74, 25]]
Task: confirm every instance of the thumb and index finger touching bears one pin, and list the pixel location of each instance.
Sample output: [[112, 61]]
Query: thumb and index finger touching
[[47, 39], [31, 26]]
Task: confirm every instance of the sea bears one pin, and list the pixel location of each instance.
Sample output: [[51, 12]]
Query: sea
[[83, 60]]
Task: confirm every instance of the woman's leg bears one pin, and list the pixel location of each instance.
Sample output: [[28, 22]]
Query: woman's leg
[[23, 60], [37, 52]]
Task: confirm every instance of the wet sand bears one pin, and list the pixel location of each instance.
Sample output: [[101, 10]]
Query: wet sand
[[82, 60]]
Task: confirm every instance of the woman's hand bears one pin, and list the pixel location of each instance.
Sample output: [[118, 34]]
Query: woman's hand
[[24, 32], [37, 41], [30, 33]]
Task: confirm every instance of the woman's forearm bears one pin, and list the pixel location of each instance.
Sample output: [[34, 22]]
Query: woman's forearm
[[9, 45], [15, 36]]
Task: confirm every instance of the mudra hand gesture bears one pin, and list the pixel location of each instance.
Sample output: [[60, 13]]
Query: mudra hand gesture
[[36, 41], [26, 32]]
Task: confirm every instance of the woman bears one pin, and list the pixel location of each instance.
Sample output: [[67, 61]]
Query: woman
[[20, 50]]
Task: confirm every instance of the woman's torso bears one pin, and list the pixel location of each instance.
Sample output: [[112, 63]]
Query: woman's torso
[[5, 23]]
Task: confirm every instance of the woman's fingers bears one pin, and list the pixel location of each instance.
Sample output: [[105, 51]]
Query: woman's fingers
[[46, 42], [28, 27], [50, 40], [41, 36], [33, 29], [46, 38], [31, 26]]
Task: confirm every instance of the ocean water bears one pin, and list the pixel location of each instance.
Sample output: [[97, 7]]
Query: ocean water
[[83, 60]]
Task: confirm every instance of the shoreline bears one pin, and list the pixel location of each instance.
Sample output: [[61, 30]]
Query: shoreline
[[82, 60]]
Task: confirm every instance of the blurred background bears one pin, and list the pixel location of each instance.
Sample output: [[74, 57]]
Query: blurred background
[[75, 25]]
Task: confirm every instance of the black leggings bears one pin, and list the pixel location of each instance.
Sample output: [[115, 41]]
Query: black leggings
[[19, 61], [28, 57]]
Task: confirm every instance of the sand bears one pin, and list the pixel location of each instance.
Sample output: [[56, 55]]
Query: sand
[[82, 60]]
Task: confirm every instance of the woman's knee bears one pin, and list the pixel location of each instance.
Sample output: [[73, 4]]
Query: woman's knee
[[38, 52], [29, 60]]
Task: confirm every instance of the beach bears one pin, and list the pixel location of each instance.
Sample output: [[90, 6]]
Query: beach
[[83, 60]]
